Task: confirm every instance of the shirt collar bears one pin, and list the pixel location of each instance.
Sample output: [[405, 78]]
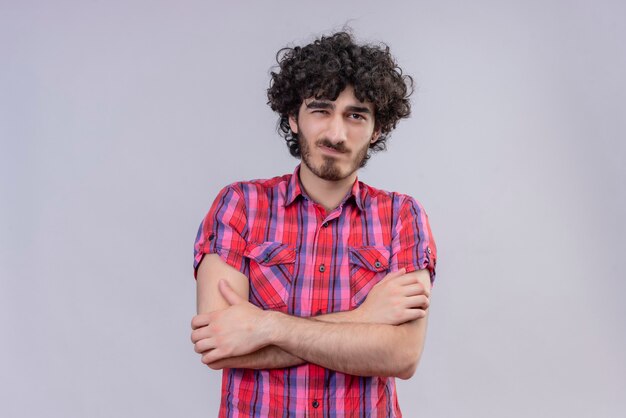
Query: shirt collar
[[295, 189]]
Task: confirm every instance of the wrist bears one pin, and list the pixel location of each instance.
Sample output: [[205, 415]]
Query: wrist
[[271, 327]]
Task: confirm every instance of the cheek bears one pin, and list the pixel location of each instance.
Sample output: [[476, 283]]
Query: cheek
[[363, 136]]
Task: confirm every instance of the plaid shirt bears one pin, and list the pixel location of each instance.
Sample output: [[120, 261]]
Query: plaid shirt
[[305, 262]]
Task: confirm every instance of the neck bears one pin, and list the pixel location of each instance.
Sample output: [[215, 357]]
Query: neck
[[327, 193]]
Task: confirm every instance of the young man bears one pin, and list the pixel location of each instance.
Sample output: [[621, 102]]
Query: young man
[[313, 287]]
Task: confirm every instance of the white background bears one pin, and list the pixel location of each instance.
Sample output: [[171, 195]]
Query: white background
[[120, 121]]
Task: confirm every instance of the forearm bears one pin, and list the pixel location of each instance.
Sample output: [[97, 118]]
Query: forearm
[[354, 348], [341, 317], [270, 357], [384, 336], [273, 357]]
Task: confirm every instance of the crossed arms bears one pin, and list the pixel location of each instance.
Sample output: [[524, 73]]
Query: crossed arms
[[384, 336]]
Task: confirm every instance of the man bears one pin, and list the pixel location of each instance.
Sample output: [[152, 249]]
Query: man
[[313, 287]]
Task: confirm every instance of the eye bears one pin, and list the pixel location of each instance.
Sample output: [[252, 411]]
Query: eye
[[356, 116]]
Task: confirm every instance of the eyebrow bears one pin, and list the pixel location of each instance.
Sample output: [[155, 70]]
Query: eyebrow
[[322, 104]]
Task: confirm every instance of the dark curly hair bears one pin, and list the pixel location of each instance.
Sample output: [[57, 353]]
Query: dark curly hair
[[325, 67]]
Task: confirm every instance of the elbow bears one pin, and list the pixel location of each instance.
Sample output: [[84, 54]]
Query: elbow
[[410, 344], [408, 371], [408, 364]]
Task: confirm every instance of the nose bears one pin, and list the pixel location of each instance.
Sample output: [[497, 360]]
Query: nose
[[337, 130]]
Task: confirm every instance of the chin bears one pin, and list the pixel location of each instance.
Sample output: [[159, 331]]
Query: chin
[[334, 172]]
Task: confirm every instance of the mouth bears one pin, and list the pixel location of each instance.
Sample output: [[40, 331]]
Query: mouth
[[330, 151]]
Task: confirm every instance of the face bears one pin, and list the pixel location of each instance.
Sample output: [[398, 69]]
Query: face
[[334, 136]]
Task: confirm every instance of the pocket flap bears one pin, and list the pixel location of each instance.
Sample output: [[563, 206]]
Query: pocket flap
[[270, 253], [372, 258]]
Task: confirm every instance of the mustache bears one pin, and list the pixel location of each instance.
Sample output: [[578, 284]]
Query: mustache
[[339, 146]]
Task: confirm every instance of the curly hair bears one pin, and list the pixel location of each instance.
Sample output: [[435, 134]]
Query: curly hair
[[323, 69]]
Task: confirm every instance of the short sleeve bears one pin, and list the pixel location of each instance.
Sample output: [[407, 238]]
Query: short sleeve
[[412, 245], [223, 230]]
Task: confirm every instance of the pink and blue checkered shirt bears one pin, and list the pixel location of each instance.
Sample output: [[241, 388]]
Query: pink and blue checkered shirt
[[305, 262]]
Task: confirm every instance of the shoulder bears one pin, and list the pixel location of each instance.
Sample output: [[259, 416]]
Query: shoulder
[[265, 184], [252, 190], [398, 202]]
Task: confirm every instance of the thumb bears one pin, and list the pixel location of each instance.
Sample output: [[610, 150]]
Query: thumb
[[229, 294]]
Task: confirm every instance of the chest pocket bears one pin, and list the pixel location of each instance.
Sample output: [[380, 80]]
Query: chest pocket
[[368, 266], [271, 272]]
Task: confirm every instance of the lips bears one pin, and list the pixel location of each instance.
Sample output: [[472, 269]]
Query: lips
[[330, 150]]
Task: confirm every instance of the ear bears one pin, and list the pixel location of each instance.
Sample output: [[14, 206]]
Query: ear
[[375, 136], [293, 124]]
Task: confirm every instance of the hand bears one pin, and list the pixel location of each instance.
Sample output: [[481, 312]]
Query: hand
[[235, 331], [396, 299]]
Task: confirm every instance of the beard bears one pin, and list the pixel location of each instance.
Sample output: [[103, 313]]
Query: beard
[[330, 169]]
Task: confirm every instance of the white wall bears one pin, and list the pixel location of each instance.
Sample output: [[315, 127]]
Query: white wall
[[120, 121]]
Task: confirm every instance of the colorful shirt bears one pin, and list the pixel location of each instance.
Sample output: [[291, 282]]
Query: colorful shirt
[[304, 261]]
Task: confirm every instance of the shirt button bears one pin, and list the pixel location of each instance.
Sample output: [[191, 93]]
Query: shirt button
[[377, 264], [315, 403], [322, 268], [211, 237], [325, 224], [428, 249]]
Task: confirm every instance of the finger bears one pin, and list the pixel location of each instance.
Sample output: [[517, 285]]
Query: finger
[[394, 274], [204, 345], [414, 287], [200, 333], [406, 280], [200, 320], [229, 294], [218, 365], [414, 290], [413, 314], [407, 315], [212, 356], [417, 302]]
